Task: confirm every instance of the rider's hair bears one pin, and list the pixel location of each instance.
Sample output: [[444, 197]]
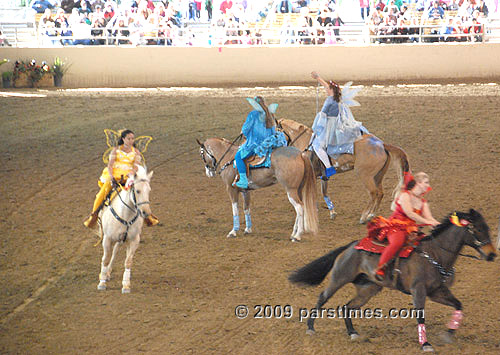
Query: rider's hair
[[124, 133], [418, 177], [269, 115], [336, 90]]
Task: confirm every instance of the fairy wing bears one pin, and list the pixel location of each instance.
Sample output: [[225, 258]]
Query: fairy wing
[[141, 143], [112, 138]]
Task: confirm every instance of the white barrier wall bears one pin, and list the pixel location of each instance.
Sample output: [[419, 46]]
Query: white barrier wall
[[181, 66]]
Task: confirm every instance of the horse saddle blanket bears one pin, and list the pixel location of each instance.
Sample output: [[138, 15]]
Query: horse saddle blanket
[[373, 245]]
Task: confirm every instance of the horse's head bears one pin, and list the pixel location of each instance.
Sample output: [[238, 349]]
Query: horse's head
[[478, 236], [141, 190], [208, 158]]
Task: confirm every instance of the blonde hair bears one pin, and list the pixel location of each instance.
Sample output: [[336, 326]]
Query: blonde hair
[[418, 177]]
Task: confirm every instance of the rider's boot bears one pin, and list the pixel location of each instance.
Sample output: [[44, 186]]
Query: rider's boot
[[91, 221], [243, 181], [380, 273], [151, 220]]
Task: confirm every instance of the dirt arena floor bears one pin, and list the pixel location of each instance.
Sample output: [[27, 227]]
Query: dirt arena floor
[[187, 277]]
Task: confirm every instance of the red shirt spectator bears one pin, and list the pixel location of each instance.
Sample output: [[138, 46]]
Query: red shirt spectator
[[225, 5]]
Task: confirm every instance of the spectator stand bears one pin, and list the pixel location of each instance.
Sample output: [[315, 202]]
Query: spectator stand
[[18, 24]]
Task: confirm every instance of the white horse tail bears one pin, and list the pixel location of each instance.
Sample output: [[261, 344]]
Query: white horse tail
[[400, 159], [308, 196]]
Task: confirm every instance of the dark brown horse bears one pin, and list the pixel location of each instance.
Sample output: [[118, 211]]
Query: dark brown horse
[[289, 166], [428, 272], [370, 161]]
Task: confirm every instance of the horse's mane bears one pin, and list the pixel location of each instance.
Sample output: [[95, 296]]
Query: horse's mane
[[293, 124], [445, 224]]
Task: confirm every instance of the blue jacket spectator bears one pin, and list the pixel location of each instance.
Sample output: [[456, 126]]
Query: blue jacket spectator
[[284, 7], [41, 5], [436, 11]]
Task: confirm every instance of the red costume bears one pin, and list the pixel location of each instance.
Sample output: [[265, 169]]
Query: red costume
[[395, 229]]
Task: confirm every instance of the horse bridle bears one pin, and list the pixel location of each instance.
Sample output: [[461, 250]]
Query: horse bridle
[[216, 163], [135, 208]]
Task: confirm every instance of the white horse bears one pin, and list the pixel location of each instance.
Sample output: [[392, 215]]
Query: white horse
[[122, 223]]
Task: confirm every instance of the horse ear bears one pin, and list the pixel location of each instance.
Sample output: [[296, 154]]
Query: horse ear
[[200, 144], [150, 175], [473, 212]]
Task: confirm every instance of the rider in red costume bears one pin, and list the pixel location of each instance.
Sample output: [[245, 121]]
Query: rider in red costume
[[411, 210]]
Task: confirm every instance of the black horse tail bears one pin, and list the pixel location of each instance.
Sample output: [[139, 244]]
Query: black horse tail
[[315, 272]]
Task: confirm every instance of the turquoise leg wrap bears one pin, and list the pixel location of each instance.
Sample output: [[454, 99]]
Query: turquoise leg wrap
[[236, 223], [329, 203], [248, 220]]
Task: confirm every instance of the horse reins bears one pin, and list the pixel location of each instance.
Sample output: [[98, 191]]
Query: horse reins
[[128, 224], [215, 162]]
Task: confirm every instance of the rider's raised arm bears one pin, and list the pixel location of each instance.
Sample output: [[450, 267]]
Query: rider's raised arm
[[326, 85]]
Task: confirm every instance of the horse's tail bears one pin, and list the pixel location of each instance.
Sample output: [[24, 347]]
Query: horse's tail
[[308, 196], [403, 166], [315, 272]]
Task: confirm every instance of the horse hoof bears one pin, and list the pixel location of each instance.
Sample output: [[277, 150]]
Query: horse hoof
[[295, 239], [333, 214], [427, 348], [248, 231], [101, 287], [126, 290], [447, 338], [310, 332], [231, 234], [355, 336]]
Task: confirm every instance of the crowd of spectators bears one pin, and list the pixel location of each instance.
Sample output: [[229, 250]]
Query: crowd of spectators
[[161, 22], [439, 20]]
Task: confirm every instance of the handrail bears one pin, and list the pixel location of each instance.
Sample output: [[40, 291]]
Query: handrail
[[221, 36]]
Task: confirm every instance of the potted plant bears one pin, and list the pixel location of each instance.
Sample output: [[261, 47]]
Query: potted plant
[[59, 68], [7, 79]]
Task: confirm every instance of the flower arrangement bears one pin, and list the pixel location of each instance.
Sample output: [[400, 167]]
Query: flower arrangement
[[34, 72], [59, 67]]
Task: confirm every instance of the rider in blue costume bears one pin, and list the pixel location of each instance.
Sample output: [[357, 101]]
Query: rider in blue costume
[[334, 127], [261, 136]]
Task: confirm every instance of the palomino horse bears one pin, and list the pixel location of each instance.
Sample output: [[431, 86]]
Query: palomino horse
[[428, 272], [289, 166], [370, 161], [122, 223]]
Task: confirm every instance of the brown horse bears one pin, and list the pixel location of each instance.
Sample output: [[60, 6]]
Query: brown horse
[[370, 161], [289, 166], [427, 272]]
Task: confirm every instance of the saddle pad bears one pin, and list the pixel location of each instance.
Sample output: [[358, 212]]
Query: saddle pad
[[374, 246]]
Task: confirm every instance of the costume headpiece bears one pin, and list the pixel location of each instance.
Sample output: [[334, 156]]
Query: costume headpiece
[[113, 137]]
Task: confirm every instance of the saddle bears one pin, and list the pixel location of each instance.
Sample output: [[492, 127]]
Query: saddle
[[374, 245]]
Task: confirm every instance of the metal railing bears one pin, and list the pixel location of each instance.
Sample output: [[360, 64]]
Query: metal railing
[[254, 36]]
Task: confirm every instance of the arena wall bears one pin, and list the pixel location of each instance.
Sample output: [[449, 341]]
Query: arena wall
[[187, 66]]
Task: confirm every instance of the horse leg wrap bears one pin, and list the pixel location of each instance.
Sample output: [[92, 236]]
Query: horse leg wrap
[[455, 320], [126, 276], [236, 223], [422, 336], [329, 203], [248, 219]]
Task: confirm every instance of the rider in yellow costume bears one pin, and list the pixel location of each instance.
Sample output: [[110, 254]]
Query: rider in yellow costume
[[123, 161]]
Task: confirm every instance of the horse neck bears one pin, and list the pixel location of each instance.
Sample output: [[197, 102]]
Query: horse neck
[[120, 207], [446, 246], [219, 147]]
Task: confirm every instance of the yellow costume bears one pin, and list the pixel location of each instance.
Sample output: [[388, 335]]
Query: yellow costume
[[122, 166]]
